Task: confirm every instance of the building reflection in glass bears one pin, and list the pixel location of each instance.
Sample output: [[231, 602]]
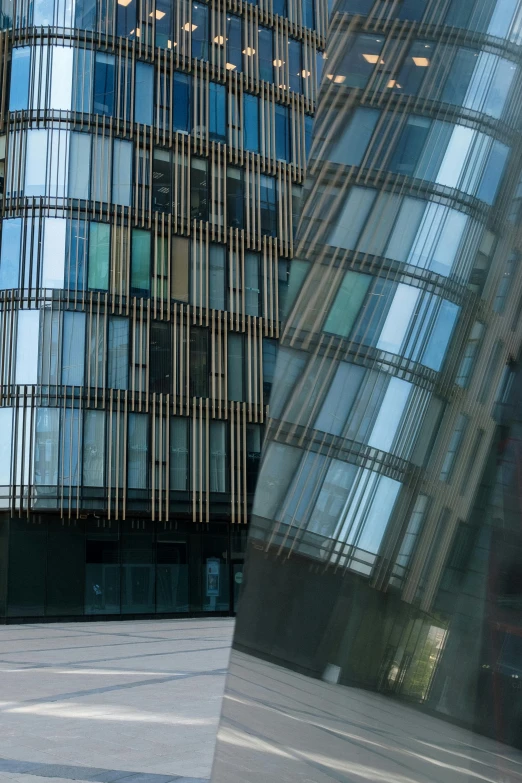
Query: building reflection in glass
[[379, 635]]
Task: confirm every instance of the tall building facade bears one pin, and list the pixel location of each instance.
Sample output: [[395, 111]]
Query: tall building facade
[[152, 156], [372, 561]]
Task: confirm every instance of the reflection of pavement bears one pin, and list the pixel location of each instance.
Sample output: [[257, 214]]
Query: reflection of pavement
[[128, 701], [281, 726]]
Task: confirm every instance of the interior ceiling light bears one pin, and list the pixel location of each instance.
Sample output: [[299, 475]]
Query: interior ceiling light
[[392, 83], [157, 14], [230, 67], [249, 51], [372, 58], [190, 27], [335, 79], [279, 63], [170, 44], [421, 62], [124, 2], [304, 74], [219, 39]]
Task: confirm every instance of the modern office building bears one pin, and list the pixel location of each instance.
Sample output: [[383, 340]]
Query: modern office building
[[153, 155], [373, 560]]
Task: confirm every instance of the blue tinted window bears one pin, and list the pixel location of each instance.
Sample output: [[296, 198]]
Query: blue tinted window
[[10, 256], [309, 13], [164, 10], [493, 172], [144, 95], [234, 42], [412, 9], [414, 68], [251, 122], [76, 254], [268, 205], [217, 109], [73, 351], [295, 65], [85, 14], [409, 147], [459, 77], [200, 31], [360, 60], [357, 6], [20, 68], [266, 54], [279, 7], [126, 18], [82, 81], [309, 125], [319, 65], [182, 97], [104, 83], [282, 133]]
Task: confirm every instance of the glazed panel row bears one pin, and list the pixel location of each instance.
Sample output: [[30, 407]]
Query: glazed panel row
[[78, 256], [434, 240], [460, 75], [96, 350], [53, 79], [244, 39], [116, 460], [497, 18], [62, 165]]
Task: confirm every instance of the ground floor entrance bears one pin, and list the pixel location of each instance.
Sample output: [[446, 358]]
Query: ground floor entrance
[[97, 567]]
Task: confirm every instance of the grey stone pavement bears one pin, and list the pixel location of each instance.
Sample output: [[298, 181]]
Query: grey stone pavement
[[281, 726], [133, 702]]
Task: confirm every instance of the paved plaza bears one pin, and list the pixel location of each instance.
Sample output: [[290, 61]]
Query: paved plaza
[[133, 702]]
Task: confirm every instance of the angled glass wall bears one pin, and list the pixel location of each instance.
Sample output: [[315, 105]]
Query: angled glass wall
[[369, 604]]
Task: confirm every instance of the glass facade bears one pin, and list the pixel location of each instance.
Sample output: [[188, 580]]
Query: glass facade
[[151, 163], [380, 618]]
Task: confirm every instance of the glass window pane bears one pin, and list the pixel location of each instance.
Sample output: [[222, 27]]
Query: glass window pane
[[352, 142], [347, 227], [101, 168], [398, 318], [99, 248], [339, 399], [217, 112], [73, 354], [138, 451], [347, 303], [10, 256], [144, 93], [181, 266], [251, 122], [104, 84], [182, 113], [390, 414], [179, 454], [6, 459], [62, 74], [47, 440], [200, 31], [79, 165], [218, 456], [19, 85], [122, 172], [217, 258], [140, 262], [118, 361], [93, 448], [53, 264], [26, 369], [235, 367]]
